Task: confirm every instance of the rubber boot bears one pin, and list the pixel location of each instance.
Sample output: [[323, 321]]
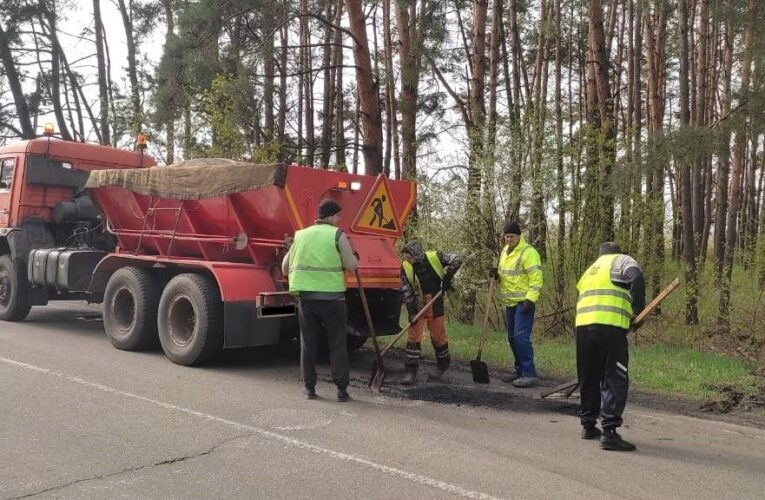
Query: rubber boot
[[443, 360], [410, 377]]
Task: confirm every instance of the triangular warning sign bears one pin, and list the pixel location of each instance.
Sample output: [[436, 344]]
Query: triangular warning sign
[[378, 214]]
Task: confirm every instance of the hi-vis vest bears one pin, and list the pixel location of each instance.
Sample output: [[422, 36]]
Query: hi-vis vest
[[520, 280], [600, 301], [315, 264], [434, 261]]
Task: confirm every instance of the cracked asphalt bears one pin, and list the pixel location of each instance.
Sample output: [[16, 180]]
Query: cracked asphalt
[[80, 419]]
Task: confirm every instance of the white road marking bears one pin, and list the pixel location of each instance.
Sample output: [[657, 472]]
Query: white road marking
[[337, 455]]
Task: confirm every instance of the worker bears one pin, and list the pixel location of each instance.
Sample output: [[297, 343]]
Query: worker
[[520, 278], [314, 266], [611, 291], [423, 274]]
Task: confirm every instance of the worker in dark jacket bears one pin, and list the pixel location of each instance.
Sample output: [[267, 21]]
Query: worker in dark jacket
[[611, 293], [423, 274], [315, 267]]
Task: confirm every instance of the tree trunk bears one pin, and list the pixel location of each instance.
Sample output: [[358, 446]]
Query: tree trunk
[[602, 145], [135, 92], [723, 167], [369, 103], [170, 122], [339, 97], [408, 50], [538, 225], [560, 279], [739, 154], [282, 118], [689, 250], [14, 82], [327, 108], [269, 70]]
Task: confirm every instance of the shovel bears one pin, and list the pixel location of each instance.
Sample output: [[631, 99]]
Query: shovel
[[378, 370], [568, 388], [479, 368], [370, 324]]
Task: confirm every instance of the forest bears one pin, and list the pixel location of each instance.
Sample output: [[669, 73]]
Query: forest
[[637, 121]]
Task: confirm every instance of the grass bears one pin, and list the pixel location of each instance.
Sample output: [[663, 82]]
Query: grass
[[683, 371]]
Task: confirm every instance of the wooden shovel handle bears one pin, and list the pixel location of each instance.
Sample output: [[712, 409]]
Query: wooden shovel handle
[[656, 301], [413, 321], [370, 323], [485, 317]]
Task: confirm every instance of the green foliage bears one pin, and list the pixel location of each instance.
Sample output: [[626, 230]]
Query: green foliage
[[219, 103], [267, 153]]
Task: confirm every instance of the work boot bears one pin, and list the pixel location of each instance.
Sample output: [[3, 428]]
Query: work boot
[[511, 377], [309, 392], [590, 431], [525, 382], [611, 440], [410, 377], [342, 395]]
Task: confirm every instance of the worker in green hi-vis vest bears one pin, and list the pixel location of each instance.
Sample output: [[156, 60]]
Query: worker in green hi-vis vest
[[315, 266], [611, 293]]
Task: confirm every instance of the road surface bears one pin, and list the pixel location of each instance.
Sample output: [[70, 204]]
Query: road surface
[[80, 419]]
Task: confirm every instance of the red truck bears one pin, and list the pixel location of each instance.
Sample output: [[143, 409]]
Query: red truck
[[194, 270]]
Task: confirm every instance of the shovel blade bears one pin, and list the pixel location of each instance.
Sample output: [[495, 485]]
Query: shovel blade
[[480, 372], [377, 381]]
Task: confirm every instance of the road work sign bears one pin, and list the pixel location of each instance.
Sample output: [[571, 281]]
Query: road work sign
[[377, 214]]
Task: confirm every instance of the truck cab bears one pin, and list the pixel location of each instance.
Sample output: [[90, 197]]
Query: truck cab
[[43, 205]]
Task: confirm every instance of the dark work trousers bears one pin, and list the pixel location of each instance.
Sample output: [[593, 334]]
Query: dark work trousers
[[602, 358], [519, 326], [329, 317]]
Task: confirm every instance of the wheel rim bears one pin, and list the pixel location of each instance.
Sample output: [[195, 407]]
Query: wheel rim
[[5, 287], [182, 320], [123, 310]]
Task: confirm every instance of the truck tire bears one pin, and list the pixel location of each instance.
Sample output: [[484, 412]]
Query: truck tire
[[190, 320], [130, 309], [15, 301]]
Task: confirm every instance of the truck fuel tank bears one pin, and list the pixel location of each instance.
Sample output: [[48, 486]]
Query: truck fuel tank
[[63, 269]]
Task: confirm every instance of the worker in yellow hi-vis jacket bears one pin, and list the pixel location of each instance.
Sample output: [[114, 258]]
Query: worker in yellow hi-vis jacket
[[520, 278]]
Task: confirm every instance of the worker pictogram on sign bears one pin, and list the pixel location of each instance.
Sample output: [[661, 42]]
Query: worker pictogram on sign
[[378, 215]]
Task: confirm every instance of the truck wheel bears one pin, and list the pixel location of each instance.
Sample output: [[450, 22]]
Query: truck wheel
[[15, 301], [190, 320], [130, 309], [355, 342]]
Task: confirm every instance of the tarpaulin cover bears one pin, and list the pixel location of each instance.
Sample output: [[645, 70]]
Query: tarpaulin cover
[[192, 179]]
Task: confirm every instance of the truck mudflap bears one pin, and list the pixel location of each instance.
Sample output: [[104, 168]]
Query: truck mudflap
[[261, 322]]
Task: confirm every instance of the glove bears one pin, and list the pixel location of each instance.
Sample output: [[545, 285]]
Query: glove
[[528, 306], [635, 326], [446, 284], [494, 273], [411, 313]]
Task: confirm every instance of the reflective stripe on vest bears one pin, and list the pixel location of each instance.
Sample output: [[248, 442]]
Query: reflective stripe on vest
[[435, 264], [315, 264], [600, 300]]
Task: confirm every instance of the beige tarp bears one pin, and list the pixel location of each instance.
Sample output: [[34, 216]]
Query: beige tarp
[[192, 179]]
